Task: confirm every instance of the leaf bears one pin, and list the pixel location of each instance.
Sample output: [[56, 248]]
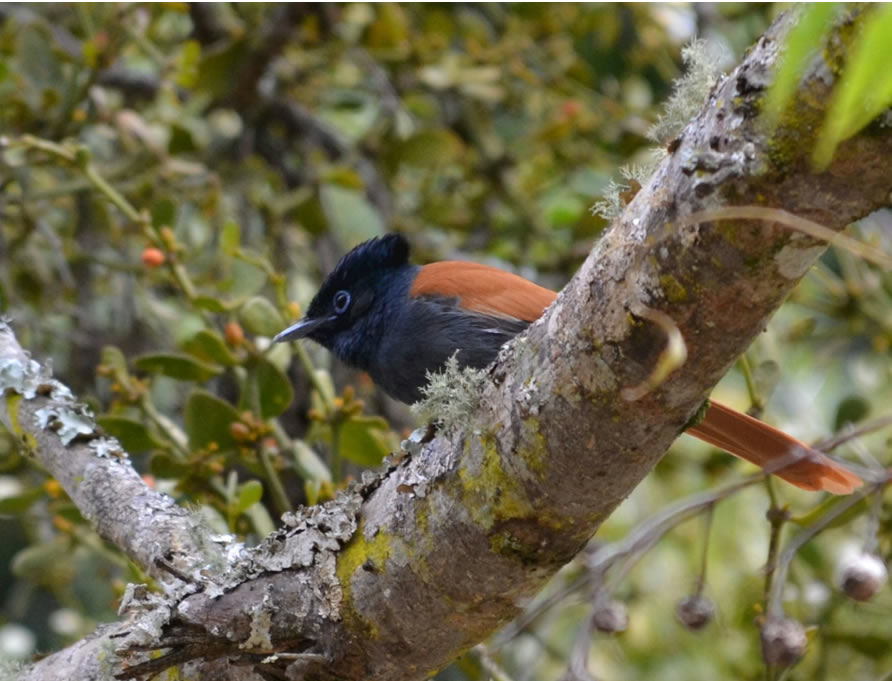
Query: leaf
[[350, 216], [431, 148], [249, 494], [218, 65], [32, 562], [163, 213], [852, 409], [175, 365], [209, 345], [260, 317], [207, 420], [230, 237], [113, 358], [163, 465], [209, 303], [133, 435], [865, 87], [274, 388], [801, 42], [563, 208], [21, 502], [364, 440]]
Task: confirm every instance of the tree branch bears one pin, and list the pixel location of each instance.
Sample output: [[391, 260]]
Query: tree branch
[[399, 576]]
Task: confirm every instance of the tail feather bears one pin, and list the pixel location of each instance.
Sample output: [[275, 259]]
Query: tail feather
[[773, 450]]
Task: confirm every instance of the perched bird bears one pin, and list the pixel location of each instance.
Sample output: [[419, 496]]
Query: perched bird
[[398, 321]]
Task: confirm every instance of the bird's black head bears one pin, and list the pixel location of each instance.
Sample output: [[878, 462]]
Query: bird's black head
[[349, 312]]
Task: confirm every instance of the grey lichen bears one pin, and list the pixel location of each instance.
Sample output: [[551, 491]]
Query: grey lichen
[[149, 612], [261, 621], [68, 421], [22, 375], [451, 395], [614, 200], [689, 93]]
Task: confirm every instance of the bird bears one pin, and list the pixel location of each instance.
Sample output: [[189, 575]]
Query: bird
[[401, 322]]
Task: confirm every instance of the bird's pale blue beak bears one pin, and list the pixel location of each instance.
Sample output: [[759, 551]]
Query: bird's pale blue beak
[[301, 329]]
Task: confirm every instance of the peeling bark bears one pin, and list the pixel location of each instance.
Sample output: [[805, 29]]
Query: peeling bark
[[399, 576]]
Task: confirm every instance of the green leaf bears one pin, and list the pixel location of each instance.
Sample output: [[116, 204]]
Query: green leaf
[[260, 317], [21, 502], [274, 388], [350, 216], [801, 42], [365, 440], [114, 359], [260, 519], [208, 345], [133, 435], [163, 465], [230, 237], [217, 66], [187, 72], [431, 148], [312, 488], [865, 87], [563, 208], [164, 213], [175, 365], [852, 409], [207, 420], [210, 303], [249, 494], [35, 561]]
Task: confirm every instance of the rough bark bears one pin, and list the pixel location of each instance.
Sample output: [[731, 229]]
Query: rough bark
[[399, 576]]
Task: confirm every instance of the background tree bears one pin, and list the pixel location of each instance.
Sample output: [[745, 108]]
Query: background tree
[[175, 177]]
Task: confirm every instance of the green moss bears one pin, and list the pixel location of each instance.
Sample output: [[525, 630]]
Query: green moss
[[536, 452], [504, 543], [673, 289], [490, 493], [634, 321], [361, 552]]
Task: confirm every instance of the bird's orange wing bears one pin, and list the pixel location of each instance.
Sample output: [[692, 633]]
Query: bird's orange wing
[[484, 289]]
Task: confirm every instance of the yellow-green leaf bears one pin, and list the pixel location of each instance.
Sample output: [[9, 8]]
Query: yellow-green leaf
[[274, 387], [365, 440], [249, 494], [208, 345], [260, 317], [133, 435], [207, 420], [175, 365]]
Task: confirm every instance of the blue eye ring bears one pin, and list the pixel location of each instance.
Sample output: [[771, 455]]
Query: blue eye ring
[[341, 301]]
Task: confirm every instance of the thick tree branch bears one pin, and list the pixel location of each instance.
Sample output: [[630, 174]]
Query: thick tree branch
[[449, 543], [95, 471]]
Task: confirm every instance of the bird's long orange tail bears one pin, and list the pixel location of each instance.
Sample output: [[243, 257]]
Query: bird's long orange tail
[[773, 450]]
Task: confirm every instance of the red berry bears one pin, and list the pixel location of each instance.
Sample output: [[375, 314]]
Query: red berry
[[152, 258]]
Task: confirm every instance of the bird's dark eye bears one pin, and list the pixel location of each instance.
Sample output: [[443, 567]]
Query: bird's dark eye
[[341, 301]]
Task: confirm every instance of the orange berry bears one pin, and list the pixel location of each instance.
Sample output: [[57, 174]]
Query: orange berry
[[571, 108], [152, 258], [233, 334]]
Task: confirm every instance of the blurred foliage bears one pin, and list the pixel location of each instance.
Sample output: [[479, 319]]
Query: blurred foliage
[[177, 179], [865, 87]]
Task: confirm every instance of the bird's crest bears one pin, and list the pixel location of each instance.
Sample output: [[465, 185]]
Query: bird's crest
[[369, 257]]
